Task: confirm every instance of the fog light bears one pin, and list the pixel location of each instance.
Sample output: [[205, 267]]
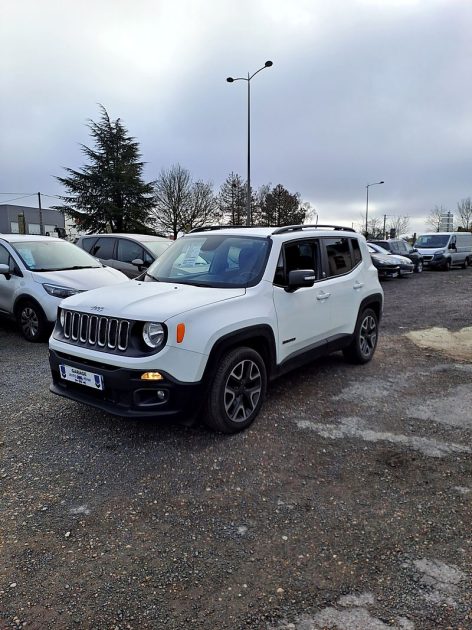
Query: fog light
[[152, 376], [161, 394]]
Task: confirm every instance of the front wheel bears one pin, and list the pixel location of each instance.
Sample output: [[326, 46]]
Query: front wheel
[[465, 264], [362, 347], [31, 321], [237, 391], [447, 265], [419, 267]]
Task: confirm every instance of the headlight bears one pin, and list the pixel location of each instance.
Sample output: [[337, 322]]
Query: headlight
[[59, 292], [153, 334], [440, 252]]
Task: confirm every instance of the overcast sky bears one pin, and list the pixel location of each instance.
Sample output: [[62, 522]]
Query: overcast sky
[[360, 91]]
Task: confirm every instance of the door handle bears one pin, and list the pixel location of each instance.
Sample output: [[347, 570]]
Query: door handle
[[358, 285], [323, 296]]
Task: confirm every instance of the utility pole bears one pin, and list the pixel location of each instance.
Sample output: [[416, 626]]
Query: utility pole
[[41, 230], [385, 221]]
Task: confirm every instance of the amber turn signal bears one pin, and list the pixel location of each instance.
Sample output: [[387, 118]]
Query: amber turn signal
[[180, 332]]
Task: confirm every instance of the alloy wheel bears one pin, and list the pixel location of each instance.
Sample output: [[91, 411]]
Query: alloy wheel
[[242, 390], [368, 336]]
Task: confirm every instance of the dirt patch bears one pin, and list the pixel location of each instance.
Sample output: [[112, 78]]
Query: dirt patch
[[457, 345]]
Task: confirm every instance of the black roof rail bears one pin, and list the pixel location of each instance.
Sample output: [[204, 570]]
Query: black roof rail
[[295, 228]]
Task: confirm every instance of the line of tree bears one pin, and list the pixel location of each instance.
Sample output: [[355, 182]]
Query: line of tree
[[109, 194], [384, 226]]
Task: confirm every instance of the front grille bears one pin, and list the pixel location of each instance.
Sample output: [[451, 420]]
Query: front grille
[[427, 257], [96, 331]]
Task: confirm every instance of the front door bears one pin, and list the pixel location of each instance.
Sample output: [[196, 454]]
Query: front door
[[8, 284], [304, 315]]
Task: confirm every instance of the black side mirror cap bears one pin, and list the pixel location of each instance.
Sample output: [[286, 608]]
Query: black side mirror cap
[[300, 278]]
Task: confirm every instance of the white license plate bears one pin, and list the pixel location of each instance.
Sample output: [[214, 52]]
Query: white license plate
[[81, 376]]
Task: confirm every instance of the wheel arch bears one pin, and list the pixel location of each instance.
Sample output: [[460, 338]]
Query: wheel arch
[[260, 338], [24, 297], [375, 302]]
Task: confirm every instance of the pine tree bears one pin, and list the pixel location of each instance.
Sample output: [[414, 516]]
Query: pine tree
[[109, 194], [282, 208], [232, 200]]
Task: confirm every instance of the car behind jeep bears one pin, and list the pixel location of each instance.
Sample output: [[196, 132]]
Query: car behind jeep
[[222, 312]]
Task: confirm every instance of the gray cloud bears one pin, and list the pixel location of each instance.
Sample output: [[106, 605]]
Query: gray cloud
[[359, 91]]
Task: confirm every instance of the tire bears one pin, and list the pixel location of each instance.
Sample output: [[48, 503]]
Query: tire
[[31, 321], [366, 334], [465, 264], [419, 267], [447, 265], [237, 391]]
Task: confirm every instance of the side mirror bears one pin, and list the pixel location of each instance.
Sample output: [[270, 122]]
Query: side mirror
[[138, 262], [300, 278], [452, 246], [5, 271]]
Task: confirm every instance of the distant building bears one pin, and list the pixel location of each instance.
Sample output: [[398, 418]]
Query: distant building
[[26, 220]]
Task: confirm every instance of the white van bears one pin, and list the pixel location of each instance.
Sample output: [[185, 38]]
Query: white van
[[442, 250]]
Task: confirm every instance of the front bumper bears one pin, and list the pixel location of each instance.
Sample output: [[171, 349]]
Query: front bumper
[[125, 394], [437, 262]]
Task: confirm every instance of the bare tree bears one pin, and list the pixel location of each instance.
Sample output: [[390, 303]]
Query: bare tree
[[433, 219], [172, 195], [399, 224], [464, 210], [374, 227], [203, 208]]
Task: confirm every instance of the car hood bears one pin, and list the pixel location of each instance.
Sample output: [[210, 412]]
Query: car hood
[[429, 251], [148, 301], [401, 260], [384, 259], [81, 279]]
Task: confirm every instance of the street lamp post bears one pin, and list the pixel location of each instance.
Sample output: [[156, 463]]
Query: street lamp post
[[267, 64], [367, 206]]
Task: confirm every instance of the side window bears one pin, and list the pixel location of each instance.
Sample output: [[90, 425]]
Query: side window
[[4, 256], [103, 248], [129, 251], [297, 255], [148, 259], [339, 256], [356, 252], [404, 247], [87, 243]]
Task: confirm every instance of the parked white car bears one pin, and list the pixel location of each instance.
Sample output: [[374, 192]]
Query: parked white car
[[443, 250], [37, 272], [218, 315]]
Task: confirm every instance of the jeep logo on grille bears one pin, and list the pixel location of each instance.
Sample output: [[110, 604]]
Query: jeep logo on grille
[[98, 309]]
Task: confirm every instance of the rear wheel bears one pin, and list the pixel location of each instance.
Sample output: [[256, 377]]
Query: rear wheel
[[237, 391], [362, 347], [419, 266], [31, 321]]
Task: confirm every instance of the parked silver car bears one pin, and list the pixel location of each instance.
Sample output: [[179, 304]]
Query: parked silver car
[[130, 253], [37, 272]]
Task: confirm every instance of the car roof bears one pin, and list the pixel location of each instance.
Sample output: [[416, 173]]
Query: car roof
[[142, 238], [287, 230], [28, 238]]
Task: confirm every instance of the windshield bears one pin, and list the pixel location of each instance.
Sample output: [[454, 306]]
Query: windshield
[[212, 260], [378, 249], [53, 255], [157, 247], [432, 240]]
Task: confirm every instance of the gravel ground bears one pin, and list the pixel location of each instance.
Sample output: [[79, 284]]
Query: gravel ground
[[347, 505]]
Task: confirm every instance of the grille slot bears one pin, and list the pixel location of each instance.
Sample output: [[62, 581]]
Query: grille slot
[[95, 331]]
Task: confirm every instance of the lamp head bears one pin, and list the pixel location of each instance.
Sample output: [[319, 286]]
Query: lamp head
[[230, 79], [268, 64]]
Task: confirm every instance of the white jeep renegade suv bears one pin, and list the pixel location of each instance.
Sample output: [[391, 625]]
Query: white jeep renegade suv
[[219, 314]]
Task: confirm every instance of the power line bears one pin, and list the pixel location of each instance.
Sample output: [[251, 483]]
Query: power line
[[16, 198]]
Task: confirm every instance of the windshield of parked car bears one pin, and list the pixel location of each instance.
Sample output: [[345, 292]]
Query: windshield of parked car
[[212, 260], [157, 247], [432, 241], [378, 249], [53, 255]]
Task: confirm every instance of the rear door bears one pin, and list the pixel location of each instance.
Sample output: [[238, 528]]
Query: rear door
[[344, 281]]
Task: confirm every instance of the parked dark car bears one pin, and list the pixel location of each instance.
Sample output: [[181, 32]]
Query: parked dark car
[[386, 266], [130, 253], [406, 266], [402, 248]]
